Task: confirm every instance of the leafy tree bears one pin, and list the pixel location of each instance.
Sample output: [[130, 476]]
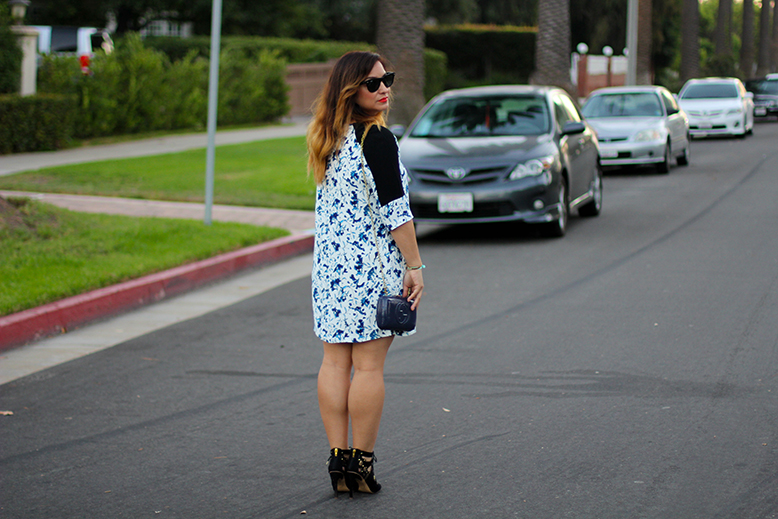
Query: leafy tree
[[10, 55]]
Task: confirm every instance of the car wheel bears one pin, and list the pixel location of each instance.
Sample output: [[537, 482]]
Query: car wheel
[[664, 166], [593, 208], [684, 159], [558, 228]]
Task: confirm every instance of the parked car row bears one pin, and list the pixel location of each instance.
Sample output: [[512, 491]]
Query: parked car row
[[528, 154]]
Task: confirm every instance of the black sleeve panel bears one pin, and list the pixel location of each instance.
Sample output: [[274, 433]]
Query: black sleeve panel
[[382, 158]]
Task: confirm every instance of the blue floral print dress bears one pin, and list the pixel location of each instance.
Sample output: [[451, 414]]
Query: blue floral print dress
[[346, 277]]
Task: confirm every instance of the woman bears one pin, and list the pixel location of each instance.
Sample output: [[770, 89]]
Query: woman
[[365, 240]]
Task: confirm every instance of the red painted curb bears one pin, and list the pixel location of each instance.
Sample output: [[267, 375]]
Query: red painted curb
[[58, 317]]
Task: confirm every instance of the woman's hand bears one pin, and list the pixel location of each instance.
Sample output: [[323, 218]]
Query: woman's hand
[[413, 282], [413, 287]]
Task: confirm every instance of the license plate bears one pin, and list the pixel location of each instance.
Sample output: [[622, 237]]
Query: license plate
[[760, 111], [455, 203], [606, 154], [705, 125]]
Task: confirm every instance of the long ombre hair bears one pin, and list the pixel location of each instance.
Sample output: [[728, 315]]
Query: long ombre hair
[[336, 108]]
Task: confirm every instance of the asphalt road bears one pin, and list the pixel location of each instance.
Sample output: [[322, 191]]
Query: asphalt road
[[628, 370]]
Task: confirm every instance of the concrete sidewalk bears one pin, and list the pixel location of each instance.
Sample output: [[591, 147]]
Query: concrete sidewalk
[[66, 315]]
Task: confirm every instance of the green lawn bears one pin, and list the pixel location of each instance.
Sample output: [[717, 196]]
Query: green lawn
[[49, 253], [268, 173]]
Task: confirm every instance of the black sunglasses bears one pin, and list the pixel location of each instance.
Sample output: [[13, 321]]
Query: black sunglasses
[[372, 83]]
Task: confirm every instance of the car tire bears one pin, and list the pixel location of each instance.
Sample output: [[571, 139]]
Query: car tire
[[684, 159], [664, 166], [594, 207], [558, 228]]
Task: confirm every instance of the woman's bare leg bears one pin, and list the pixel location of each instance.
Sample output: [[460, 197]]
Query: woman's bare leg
[[334, 384], [366, 395]]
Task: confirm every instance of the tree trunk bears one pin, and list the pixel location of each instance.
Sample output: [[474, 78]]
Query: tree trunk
[[690, 40], [400, 38], [763, 61], [645, 68], [552, 45], [774, 52], [723, 38], [747, 40]]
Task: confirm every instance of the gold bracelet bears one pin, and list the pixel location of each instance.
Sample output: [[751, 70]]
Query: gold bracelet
[[416, 268]]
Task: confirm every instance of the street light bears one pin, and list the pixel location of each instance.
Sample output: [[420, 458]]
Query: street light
[[18, 10], [608, 52]]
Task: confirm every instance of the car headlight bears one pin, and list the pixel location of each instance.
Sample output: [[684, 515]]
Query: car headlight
[[735, 111], [532, 168], [648, 135]]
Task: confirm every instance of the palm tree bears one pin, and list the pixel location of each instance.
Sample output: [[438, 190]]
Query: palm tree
[[747, 40], [552, 46], [690, 40], [763, 61], [645, 69], [400, 38], [775, 40], [723, 35]]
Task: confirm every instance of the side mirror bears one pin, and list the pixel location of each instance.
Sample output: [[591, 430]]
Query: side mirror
[[749, 95], [573, 127], [398, 130]]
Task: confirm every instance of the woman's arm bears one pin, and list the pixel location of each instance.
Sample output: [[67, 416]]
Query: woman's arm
[[413, 282]]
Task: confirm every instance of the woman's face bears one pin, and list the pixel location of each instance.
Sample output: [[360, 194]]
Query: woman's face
[[377, 101]]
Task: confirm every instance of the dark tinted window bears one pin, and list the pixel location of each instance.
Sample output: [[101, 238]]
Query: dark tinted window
[[763, 86], [64, 39], [710, 91], [633, 104], [486, 115]]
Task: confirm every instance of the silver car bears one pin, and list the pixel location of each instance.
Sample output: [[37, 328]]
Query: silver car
[[502, 153], [639, 125]]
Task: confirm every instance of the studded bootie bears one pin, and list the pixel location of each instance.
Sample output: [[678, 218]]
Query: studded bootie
[[338, 463], [360, 475]]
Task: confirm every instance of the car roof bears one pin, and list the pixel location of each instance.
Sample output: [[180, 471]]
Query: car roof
[[498, 89], [628, 89], [713, 80]]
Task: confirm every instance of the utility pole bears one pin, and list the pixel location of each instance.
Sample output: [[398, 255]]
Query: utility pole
[[213, 103]]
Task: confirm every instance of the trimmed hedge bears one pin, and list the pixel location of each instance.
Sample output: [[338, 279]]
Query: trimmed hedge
[[485, 54], [35, 123], [137, 89], [293, 51]]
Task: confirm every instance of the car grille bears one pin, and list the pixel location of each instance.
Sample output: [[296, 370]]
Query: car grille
[[698, 113], [612, 139], [713, 127], [480, 210], [474, 176]]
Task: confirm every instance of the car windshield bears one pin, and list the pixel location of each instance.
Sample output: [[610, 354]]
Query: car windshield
[[634, 104], [710, 91], [764, 86], [484, 116]]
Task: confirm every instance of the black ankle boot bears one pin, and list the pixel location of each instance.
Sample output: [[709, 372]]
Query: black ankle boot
[[338, 462], [360, 475]]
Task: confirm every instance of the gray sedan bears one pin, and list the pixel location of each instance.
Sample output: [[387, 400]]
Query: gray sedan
[[502, 153], [639, 125]]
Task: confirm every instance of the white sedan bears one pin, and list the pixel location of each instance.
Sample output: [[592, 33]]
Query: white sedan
[[717, 106]]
